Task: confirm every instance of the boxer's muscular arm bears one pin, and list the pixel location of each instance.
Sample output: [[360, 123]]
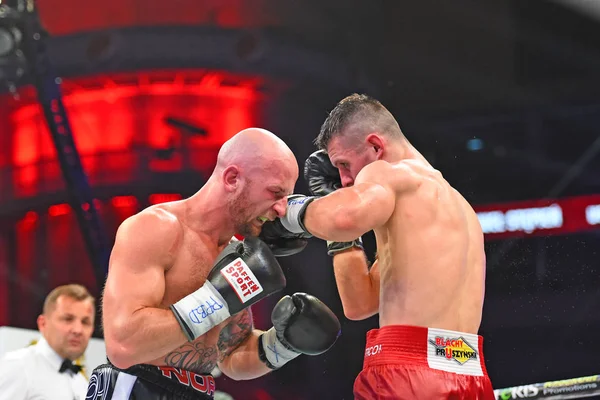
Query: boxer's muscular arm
[[357, 285], [348, 213], [135, 329], [238, 349]]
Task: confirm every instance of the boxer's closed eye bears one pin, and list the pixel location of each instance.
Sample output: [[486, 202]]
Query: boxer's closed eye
[[279, 192]]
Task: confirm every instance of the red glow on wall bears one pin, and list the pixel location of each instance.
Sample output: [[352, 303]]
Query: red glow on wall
[[124, 201], [163, 198], [58, 210], [69, 16], [113, 117], [29, 221], [26, 259]]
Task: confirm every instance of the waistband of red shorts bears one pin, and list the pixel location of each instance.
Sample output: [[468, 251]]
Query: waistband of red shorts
[[433, 348]]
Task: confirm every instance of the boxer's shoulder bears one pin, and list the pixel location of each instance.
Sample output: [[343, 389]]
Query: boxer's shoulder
[[155, 217], [397, 176], [158, 213], [154, 233]]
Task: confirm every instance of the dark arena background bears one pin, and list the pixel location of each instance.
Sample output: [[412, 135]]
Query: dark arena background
[[502, 96]]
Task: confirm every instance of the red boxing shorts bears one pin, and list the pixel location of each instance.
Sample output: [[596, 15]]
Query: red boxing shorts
[[409, 362]]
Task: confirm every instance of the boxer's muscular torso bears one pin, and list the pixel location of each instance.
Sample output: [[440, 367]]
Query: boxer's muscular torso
[[194, 255], [430, 253]]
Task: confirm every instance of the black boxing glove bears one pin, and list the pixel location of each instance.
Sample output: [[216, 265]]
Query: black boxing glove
[[282, 247], [287, 235], [302, 324], [323, 178], [244, 273], [320, 174]]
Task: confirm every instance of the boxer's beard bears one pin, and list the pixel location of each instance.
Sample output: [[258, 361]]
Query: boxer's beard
[[242, 210]]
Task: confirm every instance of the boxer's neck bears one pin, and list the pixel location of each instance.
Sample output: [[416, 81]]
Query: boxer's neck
[[405, 151], [207, 212]]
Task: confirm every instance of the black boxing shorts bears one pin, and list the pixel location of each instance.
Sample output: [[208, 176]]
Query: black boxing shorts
[[149, 382]]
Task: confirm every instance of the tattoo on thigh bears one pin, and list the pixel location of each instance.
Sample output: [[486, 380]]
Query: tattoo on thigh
[[234, 333]]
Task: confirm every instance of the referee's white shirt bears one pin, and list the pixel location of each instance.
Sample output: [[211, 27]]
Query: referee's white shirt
[[32, 374]]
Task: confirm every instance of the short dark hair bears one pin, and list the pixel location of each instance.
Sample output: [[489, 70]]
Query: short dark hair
[[363, 114], [74, 291]]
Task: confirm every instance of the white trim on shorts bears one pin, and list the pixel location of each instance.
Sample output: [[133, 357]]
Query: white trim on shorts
[[123, 386], [465, 358]]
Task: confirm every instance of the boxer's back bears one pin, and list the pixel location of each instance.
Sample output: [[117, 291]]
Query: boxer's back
[[431, 255]]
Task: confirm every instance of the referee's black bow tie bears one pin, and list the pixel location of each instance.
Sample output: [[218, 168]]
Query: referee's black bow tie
[[68, 364]]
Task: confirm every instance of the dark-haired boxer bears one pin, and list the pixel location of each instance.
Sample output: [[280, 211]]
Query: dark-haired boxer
[[428, 282]]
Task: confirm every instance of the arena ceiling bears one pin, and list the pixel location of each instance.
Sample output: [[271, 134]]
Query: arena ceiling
[[519, 78]]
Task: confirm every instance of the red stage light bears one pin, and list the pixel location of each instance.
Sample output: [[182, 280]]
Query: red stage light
[[119, 125], [163, 198], [124, 201], [59, 209]]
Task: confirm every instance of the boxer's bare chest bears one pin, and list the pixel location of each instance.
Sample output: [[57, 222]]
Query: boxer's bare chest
[[193, 262]]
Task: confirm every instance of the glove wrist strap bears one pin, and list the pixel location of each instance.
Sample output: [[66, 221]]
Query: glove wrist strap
[[335, 247], [262, 356], [274, 353], [200, 311], [294, 216]]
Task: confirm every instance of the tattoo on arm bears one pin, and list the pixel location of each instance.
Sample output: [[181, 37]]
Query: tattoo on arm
[[194, 356], [234, 333]]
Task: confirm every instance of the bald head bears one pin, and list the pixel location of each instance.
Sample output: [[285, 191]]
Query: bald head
[[255, 148], [255, 172]]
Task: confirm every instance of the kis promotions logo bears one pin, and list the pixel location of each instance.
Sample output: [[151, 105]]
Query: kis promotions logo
[[517, 392], [457, 349]]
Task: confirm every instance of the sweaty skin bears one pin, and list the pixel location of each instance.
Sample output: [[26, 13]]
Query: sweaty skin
[[166, 251], [430, 269]]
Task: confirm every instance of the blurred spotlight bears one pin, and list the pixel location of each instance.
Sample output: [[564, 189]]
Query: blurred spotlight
[[12, 59], [9, 39], [474, 144]]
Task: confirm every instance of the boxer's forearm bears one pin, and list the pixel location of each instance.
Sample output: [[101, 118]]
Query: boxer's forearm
[[348, 213], [143, 336], [358, 287], [243, 362]]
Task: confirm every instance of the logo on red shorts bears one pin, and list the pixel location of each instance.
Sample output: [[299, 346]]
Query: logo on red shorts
[[457, 349], [371, 351]]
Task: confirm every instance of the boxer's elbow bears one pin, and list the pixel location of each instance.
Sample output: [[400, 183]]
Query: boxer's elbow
[[346, 226], [359, 313], [360, 307], [119, 354], [229, 372], [120, 346], [238, 372]]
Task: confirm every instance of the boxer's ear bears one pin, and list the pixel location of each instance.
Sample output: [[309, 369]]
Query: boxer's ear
[[231, 178], [376, 144]]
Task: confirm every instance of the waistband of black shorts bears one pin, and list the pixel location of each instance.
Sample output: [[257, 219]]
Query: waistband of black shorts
[[173, 379]]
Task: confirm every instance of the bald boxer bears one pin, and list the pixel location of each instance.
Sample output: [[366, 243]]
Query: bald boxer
[[177, 296], [428, 281]]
